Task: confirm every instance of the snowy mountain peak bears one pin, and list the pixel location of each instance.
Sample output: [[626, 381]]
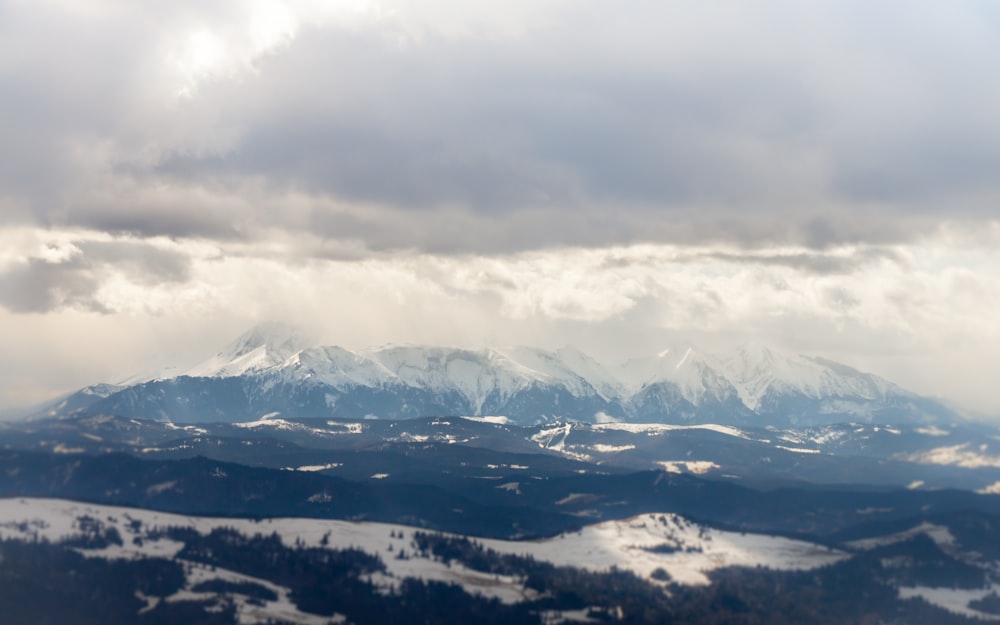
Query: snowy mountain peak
[[474, 374], [263, 346], [569, 368], [752, 371], [675, 364], [275, 336], [753, 384], [758, 371]]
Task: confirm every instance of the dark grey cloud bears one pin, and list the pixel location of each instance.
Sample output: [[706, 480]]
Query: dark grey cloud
[[584, 130], [946, 165], [817, 124], [68, 82], [40, 285], [202, 218], [140, 263], [495, 134], [814, 263]]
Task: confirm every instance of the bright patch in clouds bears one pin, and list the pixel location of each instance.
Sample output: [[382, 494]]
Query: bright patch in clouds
[[541, 172], [231, 45], [201, 56]]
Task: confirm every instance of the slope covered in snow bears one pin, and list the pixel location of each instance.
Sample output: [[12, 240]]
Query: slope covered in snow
[[339, 368], [476, 375], [263, 347], [643, 544], [757, 371], [273, 369]]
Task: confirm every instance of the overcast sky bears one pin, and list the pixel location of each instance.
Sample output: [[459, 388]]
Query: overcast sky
[[823, 176]]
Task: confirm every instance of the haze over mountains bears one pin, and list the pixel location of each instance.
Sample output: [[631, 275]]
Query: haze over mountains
[[272, 370], [747, 485]]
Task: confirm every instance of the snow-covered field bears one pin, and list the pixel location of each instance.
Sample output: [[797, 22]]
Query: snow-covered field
[[699, 467], [954, 600], [962, 455], [654, 429], [642, 544], [685, 550], [938, 533]]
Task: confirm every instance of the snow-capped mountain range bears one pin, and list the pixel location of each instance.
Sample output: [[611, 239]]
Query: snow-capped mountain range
[[273, 370]]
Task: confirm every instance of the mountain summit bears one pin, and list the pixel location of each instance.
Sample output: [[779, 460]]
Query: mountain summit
[[272, 369], [262, 347]]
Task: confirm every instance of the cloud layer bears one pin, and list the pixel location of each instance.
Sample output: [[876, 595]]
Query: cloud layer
[[818, 174], [526, 126], [108, 307]]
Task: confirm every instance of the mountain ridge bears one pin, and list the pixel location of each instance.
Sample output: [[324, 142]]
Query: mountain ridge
[[273, 369]]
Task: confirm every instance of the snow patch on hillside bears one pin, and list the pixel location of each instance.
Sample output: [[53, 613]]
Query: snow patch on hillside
[[495, 420], [698, 467], [932, 430], [955, 455], [611, 449], [635, 544], [263, 347], [938, 533], [992, 489], [654, 429], [955, 600], [313, 468], [798, 450]]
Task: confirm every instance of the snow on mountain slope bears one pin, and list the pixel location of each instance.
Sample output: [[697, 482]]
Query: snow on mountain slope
[[73, 402], [639, 372], [474, 374], [685, 550], [642, 544], [659, 428], [265, 346], [756, 370], [751, 372], [752, 386], [961, 455], [489, 378], [339, 368], [571, 368], [695, 376]]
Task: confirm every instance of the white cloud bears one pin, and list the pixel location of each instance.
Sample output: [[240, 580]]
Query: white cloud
[[228, 43], [921, 315]]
